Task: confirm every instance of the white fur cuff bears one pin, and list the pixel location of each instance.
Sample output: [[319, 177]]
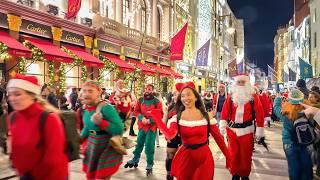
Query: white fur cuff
[[260, 132], [223, 124]]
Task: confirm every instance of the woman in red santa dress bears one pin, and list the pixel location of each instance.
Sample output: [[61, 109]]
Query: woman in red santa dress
[[193, 159]]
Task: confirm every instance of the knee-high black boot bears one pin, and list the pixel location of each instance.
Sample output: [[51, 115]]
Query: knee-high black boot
[[131, 132], [168, 168]]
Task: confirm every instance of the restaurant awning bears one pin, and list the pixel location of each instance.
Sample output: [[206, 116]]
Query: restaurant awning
[[172, 72], [88, 59], [145, 70], [123, 65], [15, 48], [159, 70], [50, 51]]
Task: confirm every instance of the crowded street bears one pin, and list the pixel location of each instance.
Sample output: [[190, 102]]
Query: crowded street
[[266, 165]]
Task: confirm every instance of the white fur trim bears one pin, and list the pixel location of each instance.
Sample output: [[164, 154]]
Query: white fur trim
[[267, 119], [243, 131], [317, 117], [223, 124], [239, 113], [260, 132], [25, 85], [242, 77], [193, 123]]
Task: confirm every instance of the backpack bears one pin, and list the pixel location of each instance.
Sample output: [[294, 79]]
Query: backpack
[[304, 131], [69, 122], [206, 116]]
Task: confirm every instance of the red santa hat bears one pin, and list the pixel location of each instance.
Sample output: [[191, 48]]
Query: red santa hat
[[242, 77], [27, 83]]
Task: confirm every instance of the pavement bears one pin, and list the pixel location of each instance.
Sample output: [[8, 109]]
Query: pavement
[[266, 165]]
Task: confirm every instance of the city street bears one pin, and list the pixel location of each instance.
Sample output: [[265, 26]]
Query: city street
[[266, 165]]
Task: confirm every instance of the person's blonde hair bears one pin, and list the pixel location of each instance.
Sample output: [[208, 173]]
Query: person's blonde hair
[[46, 105]]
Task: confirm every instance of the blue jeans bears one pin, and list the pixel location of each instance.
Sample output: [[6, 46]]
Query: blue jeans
[[299, 162], [218, 115]]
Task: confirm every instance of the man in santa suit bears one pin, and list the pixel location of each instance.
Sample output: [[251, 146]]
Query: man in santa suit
[[266, 102], [123, 100], [238, 113]]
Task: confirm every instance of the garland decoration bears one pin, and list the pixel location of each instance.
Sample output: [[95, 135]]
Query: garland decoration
[[3, 51], [22, 65], [51, 74], [62, 76]]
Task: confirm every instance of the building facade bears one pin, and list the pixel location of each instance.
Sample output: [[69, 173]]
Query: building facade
[[314, 6]]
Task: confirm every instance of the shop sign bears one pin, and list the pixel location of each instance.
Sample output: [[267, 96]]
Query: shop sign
[[132, 53], [150, 58], [72, 38], [108, 47], [3, 20], [36, 28]]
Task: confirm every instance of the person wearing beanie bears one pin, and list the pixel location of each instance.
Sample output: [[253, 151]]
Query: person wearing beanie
[[297, 155], [301, 85], [147, 128], [101, 160], [35, 154], [315, 89]]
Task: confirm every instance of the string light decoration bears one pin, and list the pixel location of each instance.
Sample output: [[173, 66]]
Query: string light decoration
[[37, 54], [3, 51], [62, 76]]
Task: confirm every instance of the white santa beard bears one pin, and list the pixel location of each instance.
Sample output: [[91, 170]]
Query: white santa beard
[[241, 94]]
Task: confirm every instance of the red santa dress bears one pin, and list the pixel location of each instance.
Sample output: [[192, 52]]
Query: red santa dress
[[192, 164], [240, 132]]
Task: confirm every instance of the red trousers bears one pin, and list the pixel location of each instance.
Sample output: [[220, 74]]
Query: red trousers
[[240, 149]]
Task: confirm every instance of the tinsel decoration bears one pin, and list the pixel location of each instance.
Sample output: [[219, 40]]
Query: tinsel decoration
[[62, 77], [51, 74], [3, 51]]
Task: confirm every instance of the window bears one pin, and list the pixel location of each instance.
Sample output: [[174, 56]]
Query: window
[[103, 8], [315, 40], [143, 17], [125, 13], [159, 24]]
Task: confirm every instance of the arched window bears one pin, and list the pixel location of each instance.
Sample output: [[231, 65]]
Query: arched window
[[125, 13], [143, 16], [159, 23]]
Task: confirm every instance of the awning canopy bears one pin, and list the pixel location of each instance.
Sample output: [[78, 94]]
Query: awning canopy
[[88, 59], [145, 70], [172, 72], [123, 65], [50, 51], [159, 69], [15, 48]]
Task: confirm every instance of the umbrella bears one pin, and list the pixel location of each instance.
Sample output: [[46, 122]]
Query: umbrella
[[313, 82]]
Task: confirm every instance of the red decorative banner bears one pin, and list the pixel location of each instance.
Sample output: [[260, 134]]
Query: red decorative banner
[[177, 44], [232, 67], [73, 8]]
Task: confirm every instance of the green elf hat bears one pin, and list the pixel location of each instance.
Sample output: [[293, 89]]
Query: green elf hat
[[295, 97]]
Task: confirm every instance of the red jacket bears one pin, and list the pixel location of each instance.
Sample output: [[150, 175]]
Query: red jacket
[[266, 103], [244, 116], [47, 162]]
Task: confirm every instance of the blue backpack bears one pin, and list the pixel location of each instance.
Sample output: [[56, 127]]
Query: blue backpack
[[304, 131]]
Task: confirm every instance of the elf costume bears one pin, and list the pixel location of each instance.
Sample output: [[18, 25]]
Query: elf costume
[[100, 159], [147, 132]]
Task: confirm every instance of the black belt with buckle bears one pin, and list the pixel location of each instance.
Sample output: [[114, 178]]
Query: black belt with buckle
[[195, 146], [241, 125], [100, 132]]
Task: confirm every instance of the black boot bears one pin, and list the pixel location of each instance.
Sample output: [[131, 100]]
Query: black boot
[[235, 177], [131, 132], [245, 178]]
